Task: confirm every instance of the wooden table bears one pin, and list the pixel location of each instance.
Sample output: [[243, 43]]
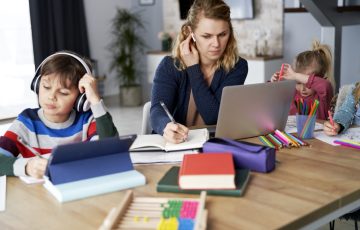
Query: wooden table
[[311, 185]]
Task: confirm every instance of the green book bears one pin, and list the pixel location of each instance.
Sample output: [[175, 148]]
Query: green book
[[169, 183]]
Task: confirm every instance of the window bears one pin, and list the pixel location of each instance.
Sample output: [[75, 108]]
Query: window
[[16, 58]]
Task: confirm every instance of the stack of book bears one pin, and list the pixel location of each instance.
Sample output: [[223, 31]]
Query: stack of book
[[213, 172]]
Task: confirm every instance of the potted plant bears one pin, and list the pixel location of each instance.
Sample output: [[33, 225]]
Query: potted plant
[[126, 47]]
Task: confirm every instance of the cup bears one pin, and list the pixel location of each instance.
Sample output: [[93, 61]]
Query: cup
[[305, 125]]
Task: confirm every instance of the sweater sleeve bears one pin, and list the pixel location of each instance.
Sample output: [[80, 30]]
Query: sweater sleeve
[[164, 88], [6, 165], [104, 124], [324, 92], [346, 113], [207, 99]]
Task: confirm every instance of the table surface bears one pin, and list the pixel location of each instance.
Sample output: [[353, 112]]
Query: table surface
[[308, 182]]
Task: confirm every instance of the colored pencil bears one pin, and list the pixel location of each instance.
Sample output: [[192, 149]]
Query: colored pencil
[[331, 119], [281, 72], [347, 144]]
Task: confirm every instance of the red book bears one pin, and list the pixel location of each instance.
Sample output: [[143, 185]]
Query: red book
[[207, 171]]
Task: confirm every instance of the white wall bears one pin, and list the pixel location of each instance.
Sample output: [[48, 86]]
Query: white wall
[[350, 55], [99, 15]]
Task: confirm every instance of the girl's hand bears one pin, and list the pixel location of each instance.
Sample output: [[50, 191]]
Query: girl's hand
[[288, 72], [175, 132], [275, 77], [88, 85], [188, 52], [35, 167], [331, 130]]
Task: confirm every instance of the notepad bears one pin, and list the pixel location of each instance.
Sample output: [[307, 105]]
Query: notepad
[[151, 142], [2, 193]]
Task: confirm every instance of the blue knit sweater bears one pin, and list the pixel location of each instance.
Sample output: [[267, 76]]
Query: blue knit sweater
[[173, 87]]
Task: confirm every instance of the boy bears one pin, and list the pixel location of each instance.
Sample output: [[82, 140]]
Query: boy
[[63, 78]]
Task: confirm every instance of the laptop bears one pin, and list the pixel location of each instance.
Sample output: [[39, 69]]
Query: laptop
[[255, 109]]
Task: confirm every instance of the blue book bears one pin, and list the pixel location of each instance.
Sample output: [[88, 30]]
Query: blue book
[[85, 169]]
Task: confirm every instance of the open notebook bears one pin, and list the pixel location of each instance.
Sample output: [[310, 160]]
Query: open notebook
[[151, 142]]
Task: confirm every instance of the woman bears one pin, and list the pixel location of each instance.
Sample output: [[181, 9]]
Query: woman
[[204, 60]]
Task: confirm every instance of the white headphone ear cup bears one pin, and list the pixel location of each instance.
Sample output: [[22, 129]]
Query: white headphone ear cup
[[35, 84], [81, 103]]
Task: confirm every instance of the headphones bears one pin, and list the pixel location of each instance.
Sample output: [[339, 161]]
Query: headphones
[[81, 103]]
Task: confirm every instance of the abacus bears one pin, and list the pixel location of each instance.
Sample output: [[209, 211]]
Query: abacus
[[157, 213]]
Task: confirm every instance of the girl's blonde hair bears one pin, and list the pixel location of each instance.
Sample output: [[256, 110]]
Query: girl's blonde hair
[[356, 92], [213, 9], [321, 55]]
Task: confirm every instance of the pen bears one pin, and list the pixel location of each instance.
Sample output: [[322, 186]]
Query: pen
[[331, 119], [281, 72], [36, 153], [167, 112]]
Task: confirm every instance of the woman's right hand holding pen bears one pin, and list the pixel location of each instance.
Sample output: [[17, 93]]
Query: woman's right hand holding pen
[[175, 132], [36, 167]]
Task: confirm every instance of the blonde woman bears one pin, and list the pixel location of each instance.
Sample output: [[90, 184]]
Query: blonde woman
[[190, 82]]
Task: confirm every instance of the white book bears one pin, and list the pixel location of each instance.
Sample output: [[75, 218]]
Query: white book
[[159, 157], [151, 142], [2, 193], [94, 186]]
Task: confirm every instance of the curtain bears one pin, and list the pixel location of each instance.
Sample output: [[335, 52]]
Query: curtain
[[58, 25]]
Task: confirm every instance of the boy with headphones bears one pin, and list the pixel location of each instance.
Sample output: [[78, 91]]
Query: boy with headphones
[[66, 92]]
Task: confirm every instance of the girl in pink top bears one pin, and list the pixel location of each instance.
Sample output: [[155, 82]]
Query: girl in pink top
[[312, 73]]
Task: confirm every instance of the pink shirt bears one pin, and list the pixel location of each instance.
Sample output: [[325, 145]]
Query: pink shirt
[[323, 93]]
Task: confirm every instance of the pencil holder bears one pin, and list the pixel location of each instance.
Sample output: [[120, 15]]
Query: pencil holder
[[305, 125]]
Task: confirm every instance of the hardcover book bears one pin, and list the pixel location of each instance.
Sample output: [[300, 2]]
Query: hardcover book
[[151, 142], [169, 183], [207, 171], [87, 169]]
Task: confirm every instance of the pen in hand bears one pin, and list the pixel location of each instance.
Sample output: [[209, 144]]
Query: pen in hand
[[168, 114], [36, 153], [331, 119]]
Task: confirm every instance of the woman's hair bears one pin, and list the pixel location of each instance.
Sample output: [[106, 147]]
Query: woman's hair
[[321, 56], [356, 92], [212, 9], [67, 68]]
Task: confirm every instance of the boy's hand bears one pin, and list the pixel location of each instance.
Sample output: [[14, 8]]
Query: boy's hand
[[175, 132], [331, 130], [88, 85], [188, 52], [35, 167]]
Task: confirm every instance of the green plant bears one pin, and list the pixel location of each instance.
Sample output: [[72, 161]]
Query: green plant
[[126, 46]]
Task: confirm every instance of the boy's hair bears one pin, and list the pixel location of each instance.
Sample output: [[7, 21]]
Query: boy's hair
[[67, 68], [321, 55], [213, 9]]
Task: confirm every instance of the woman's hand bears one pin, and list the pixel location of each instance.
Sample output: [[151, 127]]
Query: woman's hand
[[175, 132], [331, 130], [35, 167], [188, 52], [88, 85]]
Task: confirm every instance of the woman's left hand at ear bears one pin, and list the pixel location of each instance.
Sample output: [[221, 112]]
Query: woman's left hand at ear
[[88, 85], [188, 52]]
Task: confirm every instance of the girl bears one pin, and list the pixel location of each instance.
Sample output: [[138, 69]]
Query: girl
[[347, 114], [204, 60], [313, 76]]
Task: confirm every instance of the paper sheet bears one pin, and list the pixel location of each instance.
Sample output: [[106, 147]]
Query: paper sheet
[[2, 193], [159, 156], [291, 125], [350, 134]]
